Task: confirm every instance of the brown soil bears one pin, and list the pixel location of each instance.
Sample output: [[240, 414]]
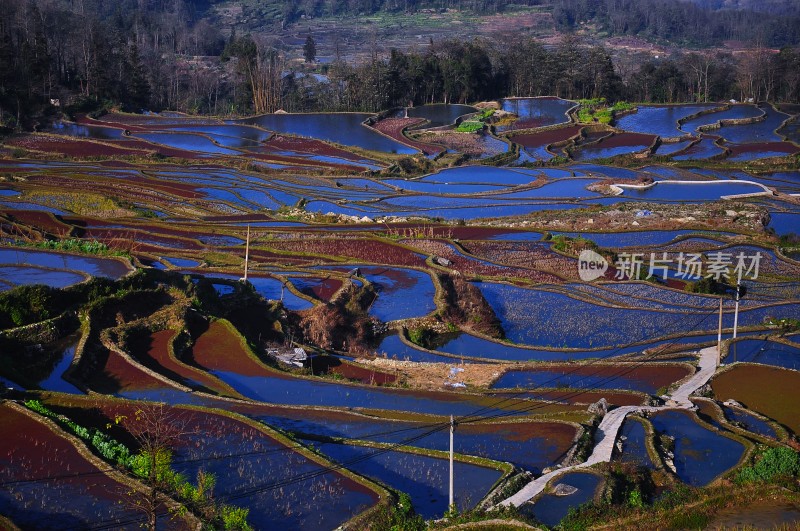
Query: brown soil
[[75, 147], [771, 391], [393, 127], [219, 349], [32, 452], [156, 349], [546, 138], [119, 375]]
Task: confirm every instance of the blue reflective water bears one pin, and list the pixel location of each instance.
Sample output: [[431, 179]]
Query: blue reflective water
[[306, 392], [700, 454], [670, 149], [343, 128], [550, 509], [536, 112], [570, 377], [785, 222], [468, 345], [55, 382], [531, 317], [395, 348], [440, 114], [94, 266], [735, 112], [442, 187], [187, 141], [765, 152], [756, 132], [601, 150], [658, 120], [527, 445], [402, 293], [483, 175], [695, 191], [267, 287], [87, 131], [180, 262], [749, 421], [27, 275], [425, 479], [704, 149], [765, 352], [634, 444]]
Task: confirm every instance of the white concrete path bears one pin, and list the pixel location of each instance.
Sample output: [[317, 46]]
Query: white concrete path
[[609, 427]]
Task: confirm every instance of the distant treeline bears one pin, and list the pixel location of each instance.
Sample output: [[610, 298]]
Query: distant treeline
[[773, 23], [699, 22], [139, 54]]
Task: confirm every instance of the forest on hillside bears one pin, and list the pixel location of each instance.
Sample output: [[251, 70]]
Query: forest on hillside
[[166, 54]]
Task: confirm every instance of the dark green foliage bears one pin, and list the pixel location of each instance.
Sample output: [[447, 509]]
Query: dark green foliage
[[398, 516], [30, 304], [310, 49], [707, 285], [421, 336], [773, 465]]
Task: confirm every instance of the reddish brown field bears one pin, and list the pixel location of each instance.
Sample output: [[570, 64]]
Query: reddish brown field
[[477, 268], [33, 453], [115, 121], [626, 139], [74, 147], [280, 142], [41, 454], [325, 289], [117, 374], [329, 364], [545, 138], [780, 147], [356, 250], [525, 254], [393, 127], [136, 188], [150, 147], [219, 349], [768, 390], [156, 356], [39, 220]]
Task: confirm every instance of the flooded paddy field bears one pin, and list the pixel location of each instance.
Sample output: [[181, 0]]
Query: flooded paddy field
[[391, 282]]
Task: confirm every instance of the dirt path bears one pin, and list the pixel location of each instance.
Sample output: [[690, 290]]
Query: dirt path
[[609, 427]]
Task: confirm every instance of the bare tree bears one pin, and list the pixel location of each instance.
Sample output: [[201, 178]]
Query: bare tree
[[157, 429]]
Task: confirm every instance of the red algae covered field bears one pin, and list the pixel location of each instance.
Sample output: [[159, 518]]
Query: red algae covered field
[[768, 390], [49, 484], [218, 348]]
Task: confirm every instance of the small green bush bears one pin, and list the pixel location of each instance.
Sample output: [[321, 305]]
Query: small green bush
[[774, 464], [469, 126]]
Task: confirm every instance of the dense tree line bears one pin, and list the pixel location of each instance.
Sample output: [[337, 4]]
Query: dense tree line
[[162, 54], [772, 23]]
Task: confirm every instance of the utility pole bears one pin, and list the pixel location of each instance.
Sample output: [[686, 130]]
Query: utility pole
[[452, 429], [247, 253], [719, 335], [739, 290]]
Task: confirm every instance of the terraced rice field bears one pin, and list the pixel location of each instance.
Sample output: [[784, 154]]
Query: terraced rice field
[[398, 272]]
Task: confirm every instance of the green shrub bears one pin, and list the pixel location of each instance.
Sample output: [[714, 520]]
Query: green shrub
[[469, 126], [421, 336], [235, 518], [773, 464]]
